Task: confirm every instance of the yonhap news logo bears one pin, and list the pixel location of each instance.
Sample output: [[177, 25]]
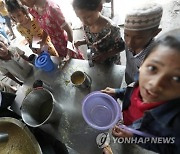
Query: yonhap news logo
[[144, 140], [104, 139]]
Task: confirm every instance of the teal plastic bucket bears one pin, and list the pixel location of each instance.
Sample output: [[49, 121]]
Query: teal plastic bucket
[[44, 62]]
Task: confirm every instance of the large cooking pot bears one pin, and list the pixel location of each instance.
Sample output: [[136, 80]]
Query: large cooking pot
[[20, 139], [39, 107]]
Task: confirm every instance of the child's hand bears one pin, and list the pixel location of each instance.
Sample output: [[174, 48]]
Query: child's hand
[[107, 150], [41, 44], [119, 132], [37, 51], [108, 90], [77, 44]]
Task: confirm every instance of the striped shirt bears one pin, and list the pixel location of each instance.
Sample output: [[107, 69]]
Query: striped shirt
[[134, 62]]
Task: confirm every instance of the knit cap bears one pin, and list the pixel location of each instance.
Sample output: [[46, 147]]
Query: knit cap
[[143, 17]]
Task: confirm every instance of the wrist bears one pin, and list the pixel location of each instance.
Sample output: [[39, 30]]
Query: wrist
[[83, 42]]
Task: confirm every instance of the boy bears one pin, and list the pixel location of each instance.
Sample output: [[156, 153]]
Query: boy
[[140, 28]]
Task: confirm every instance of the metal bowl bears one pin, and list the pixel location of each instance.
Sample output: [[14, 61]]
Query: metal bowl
[[20, 141]]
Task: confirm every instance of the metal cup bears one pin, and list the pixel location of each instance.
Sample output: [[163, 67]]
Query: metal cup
[[81, 79]]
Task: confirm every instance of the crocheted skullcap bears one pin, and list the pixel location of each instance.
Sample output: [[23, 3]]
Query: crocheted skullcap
[[143, 17]]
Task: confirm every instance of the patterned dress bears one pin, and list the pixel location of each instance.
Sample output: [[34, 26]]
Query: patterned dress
[[51, 21], [35, 30], [109, 38]]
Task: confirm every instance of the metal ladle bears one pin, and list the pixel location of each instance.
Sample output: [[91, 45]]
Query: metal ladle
[[4, 137]]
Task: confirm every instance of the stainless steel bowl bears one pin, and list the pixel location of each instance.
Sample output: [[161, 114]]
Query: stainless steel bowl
[[20, 139]]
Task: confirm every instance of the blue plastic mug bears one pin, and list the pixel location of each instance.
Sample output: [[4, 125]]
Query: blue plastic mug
[[44, 62]]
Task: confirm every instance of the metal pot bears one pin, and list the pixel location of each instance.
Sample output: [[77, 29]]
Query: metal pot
[[39, 107], [20, 139]]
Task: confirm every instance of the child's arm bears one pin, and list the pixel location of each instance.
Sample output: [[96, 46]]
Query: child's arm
[[79, 43], [44, 38], [119, 93], [21, 53], [119, 132], [107, 54], [69, 32]]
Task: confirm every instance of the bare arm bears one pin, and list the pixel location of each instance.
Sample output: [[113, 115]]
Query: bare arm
[[24, 57], [69, 32], [79, 43], [21, 53], [105, 55], [44, 38]]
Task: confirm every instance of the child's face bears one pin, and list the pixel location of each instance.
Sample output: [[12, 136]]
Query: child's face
[[20, 17], [136, 41], [3, 50], [159, 77], [28, 3], [87, 17]]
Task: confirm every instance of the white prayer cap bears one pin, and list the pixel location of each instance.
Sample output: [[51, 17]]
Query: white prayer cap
[[143, 17]]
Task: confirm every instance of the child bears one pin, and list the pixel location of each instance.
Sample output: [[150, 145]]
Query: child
[[152, 105], [52, 21], [27, 26], [13, 63], [101, 36], [140, 27], [4, 13]]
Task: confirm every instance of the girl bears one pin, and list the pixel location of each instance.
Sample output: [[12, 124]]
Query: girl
[[27, 26], [52, 21], [101, 36], [152, 105]]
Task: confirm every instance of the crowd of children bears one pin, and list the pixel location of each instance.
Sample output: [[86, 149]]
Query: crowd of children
[[150, 104]]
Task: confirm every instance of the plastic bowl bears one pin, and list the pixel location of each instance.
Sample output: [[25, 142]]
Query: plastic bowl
[[100, 111]]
